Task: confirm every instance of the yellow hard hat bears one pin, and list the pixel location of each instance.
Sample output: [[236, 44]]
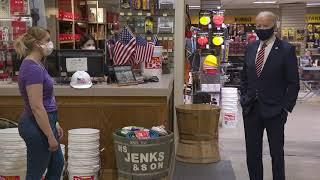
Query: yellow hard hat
[[211, 60], [217, 40], [205, 20]]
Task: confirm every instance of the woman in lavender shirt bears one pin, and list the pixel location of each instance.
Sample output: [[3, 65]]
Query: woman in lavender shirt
[[38, 125]]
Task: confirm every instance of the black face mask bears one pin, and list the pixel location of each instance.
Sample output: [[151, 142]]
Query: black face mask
[[265, 34]]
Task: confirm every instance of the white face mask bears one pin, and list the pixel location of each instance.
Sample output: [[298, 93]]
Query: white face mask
[[47, 48], [89, 48]]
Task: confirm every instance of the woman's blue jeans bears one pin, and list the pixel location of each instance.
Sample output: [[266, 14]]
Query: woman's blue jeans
[[39, 158]]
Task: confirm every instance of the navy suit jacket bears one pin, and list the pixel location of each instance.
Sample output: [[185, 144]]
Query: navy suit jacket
[[277, 87]]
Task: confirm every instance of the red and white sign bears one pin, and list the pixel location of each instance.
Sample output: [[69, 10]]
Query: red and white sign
[[9, 177], [230, 116], [155, 63]]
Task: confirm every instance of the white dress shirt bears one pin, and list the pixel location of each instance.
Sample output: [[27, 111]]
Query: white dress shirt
[[267, 51]]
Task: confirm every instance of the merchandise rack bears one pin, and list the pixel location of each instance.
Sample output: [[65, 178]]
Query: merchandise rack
[[201, 79], [14, 21], [76, 17], [165, 39]]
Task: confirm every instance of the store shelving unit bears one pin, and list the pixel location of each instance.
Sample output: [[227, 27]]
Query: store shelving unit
[[14, 21], [137, 19], [80, 16]]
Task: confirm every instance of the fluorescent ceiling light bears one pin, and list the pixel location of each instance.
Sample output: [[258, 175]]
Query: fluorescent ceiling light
[[194, 7], [265, 2], [313, 4]]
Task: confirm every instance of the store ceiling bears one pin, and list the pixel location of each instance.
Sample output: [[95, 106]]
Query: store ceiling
[[232, 4], [236, 4]]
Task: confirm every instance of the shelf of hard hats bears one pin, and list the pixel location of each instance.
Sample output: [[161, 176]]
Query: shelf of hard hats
[[105, 107]]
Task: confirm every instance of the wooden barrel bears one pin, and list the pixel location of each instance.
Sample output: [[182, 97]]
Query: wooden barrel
[[198, 131], [144, 159], [200, 152]]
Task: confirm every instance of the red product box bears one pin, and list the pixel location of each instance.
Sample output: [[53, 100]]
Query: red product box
[[17, 7], [77, 37], [18, 29]]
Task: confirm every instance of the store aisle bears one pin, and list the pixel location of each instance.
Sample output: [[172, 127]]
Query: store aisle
[[302, 151], [301, 148]]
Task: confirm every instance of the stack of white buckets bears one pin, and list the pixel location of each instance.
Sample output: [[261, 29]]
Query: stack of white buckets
[[229, 107], [13, 154], [83, 153]]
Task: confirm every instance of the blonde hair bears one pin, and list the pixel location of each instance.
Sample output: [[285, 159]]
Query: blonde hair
[[26, 43]]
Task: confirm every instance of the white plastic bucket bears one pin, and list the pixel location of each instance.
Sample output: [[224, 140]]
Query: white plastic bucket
[[13, 155], [13, 174], [229, 103], [79, 151], [229, 106], [9, 131], [83, 155], [13, 159], [83, 140], [91, 168], [84, 162], [13, 147], [83, 132], [229, 90], [8, 138], [229, 119], [13, 164], [154, 67], [226, 96], [83, 174], [83, 147]]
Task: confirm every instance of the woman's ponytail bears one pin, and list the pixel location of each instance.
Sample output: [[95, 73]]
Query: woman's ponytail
[[20, 46]]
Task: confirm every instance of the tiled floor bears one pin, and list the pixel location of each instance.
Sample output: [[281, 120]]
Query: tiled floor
[[302, 149]]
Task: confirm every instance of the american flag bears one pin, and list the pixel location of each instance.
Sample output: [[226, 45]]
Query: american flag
[[124, 48], [110, 48], [144, 50]]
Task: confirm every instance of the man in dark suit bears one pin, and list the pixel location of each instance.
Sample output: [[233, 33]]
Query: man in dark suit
[[269, 90]]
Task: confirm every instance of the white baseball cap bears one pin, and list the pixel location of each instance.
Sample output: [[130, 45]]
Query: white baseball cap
[[81, 80]]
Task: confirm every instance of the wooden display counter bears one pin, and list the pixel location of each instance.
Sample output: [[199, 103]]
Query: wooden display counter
[[103, 107]]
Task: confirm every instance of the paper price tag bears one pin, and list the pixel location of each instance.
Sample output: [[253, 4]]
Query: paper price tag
[[148, 14], [149, 38], [1, 71], [17, 73], [76, 64], [165, 38], [207, 46], [165, 14], [170, 38], [139, 13], [122, 14], [129, 13], [160, 38], [170, 50]]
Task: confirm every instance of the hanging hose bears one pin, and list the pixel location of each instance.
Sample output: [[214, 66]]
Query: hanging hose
[[6, 123]]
